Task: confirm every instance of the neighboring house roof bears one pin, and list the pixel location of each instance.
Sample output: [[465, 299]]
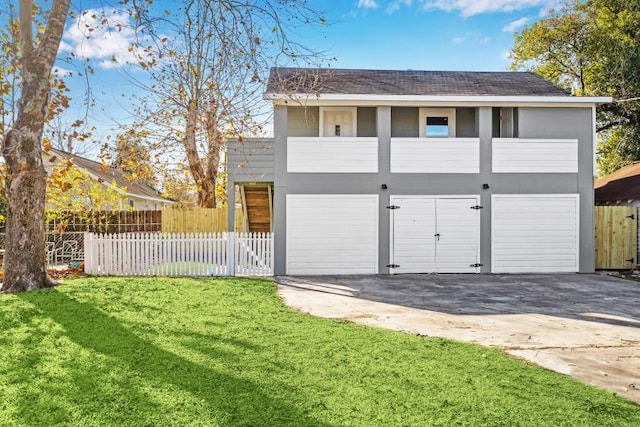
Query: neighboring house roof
[[284, 80], [109, 174], [621, 185]]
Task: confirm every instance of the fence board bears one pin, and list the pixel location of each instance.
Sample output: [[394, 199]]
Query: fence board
[[183, 254], [616, 237]]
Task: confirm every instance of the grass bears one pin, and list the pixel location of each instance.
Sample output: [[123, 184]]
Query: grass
[[155, 352]]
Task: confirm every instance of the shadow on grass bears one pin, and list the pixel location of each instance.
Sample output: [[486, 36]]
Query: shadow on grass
[[232, 400]]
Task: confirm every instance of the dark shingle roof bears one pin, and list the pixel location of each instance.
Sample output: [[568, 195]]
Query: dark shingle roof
[[409, 82], [108, 174], [621, 185]]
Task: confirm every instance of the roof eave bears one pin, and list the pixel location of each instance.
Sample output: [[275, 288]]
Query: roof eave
[[485, 100]]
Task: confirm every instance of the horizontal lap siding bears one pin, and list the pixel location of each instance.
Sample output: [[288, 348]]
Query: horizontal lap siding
[[543, 156], [251, 160], [535, 234], [422, 155], [332, 155], [332, 234]]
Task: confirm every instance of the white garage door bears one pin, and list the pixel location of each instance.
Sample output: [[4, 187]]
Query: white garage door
[[435, 234], [332, 234], [535, 233]]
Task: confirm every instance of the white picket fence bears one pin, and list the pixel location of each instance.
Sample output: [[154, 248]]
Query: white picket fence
[[179, 254]]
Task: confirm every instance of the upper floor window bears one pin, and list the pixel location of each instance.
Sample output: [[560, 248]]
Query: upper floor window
[[505, 122], [437, 122], [437, 126]]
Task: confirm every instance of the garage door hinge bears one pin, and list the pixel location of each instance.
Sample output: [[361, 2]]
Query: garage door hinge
[[476, 207], [393, 265], [393, 207], [476, 265]]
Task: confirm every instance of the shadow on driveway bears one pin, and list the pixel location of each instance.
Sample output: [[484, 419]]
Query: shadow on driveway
[[590, 297]]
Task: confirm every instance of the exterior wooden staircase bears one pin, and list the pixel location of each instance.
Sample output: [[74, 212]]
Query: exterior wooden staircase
[[257, 207]]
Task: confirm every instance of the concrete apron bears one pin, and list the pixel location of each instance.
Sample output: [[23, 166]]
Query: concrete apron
[[604, 355]]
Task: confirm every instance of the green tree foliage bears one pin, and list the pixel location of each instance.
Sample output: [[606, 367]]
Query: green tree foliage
[[592, 47]]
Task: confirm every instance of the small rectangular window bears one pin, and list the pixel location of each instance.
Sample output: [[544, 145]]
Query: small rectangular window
[[437, 127]]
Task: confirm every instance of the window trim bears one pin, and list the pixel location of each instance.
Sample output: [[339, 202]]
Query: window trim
[[450, 113]]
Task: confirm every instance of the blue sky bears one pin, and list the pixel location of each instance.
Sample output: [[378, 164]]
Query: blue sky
[[384, 34]]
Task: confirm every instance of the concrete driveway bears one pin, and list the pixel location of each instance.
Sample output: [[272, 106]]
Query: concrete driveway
[[586, 326]]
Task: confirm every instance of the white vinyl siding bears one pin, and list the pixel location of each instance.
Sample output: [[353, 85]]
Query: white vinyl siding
[[435, 155], [435, 234], [535, 233], [332, 234], [332, 155], [513, 155]]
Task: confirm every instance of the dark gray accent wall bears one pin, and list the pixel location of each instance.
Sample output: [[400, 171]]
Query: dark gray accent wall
[[280, 128], [486, 177], [366, 121], [466, 123], [404, 122], [384, 178], [400, 121], [303, 121]]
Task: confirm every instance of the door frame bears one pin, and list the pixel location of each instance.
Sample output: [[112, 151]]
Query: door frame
[[392, 197], [354, 117]]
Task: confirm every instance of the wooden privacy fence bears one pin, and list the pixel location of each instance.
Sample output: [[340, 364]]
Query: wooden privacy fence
[[105, 221], [179, 254], [616, 230], [197, 220]]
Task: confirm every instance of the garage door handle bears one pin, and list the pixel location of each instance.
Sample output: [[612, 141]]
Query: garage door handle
[[437, 236]]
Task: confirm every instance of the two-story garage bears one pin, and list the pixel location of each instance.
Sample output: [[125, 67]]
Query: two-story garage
[[380, 172]]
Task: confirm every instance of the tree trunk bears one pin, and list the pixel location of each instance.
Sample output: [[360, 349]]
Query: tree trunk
[[207, 193], [25, 258]]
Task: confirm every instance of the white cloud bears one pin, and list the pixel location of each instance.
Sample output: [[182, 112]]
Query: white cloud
[[105, 36], [471, 37], [367, 4], [475, 7], [395, 5], [515, 25]]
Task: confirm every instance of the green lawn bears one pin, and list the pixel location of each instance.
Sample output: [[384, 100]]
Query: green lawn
[[188, 352]]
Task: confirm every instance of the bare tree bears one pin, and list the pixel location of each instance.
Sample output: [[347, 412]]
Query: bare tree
[[25, 267], [207, 67]]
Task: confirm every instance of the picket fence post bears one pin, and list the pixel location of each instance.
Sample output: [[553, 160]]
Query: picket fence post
[[231, 253]]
